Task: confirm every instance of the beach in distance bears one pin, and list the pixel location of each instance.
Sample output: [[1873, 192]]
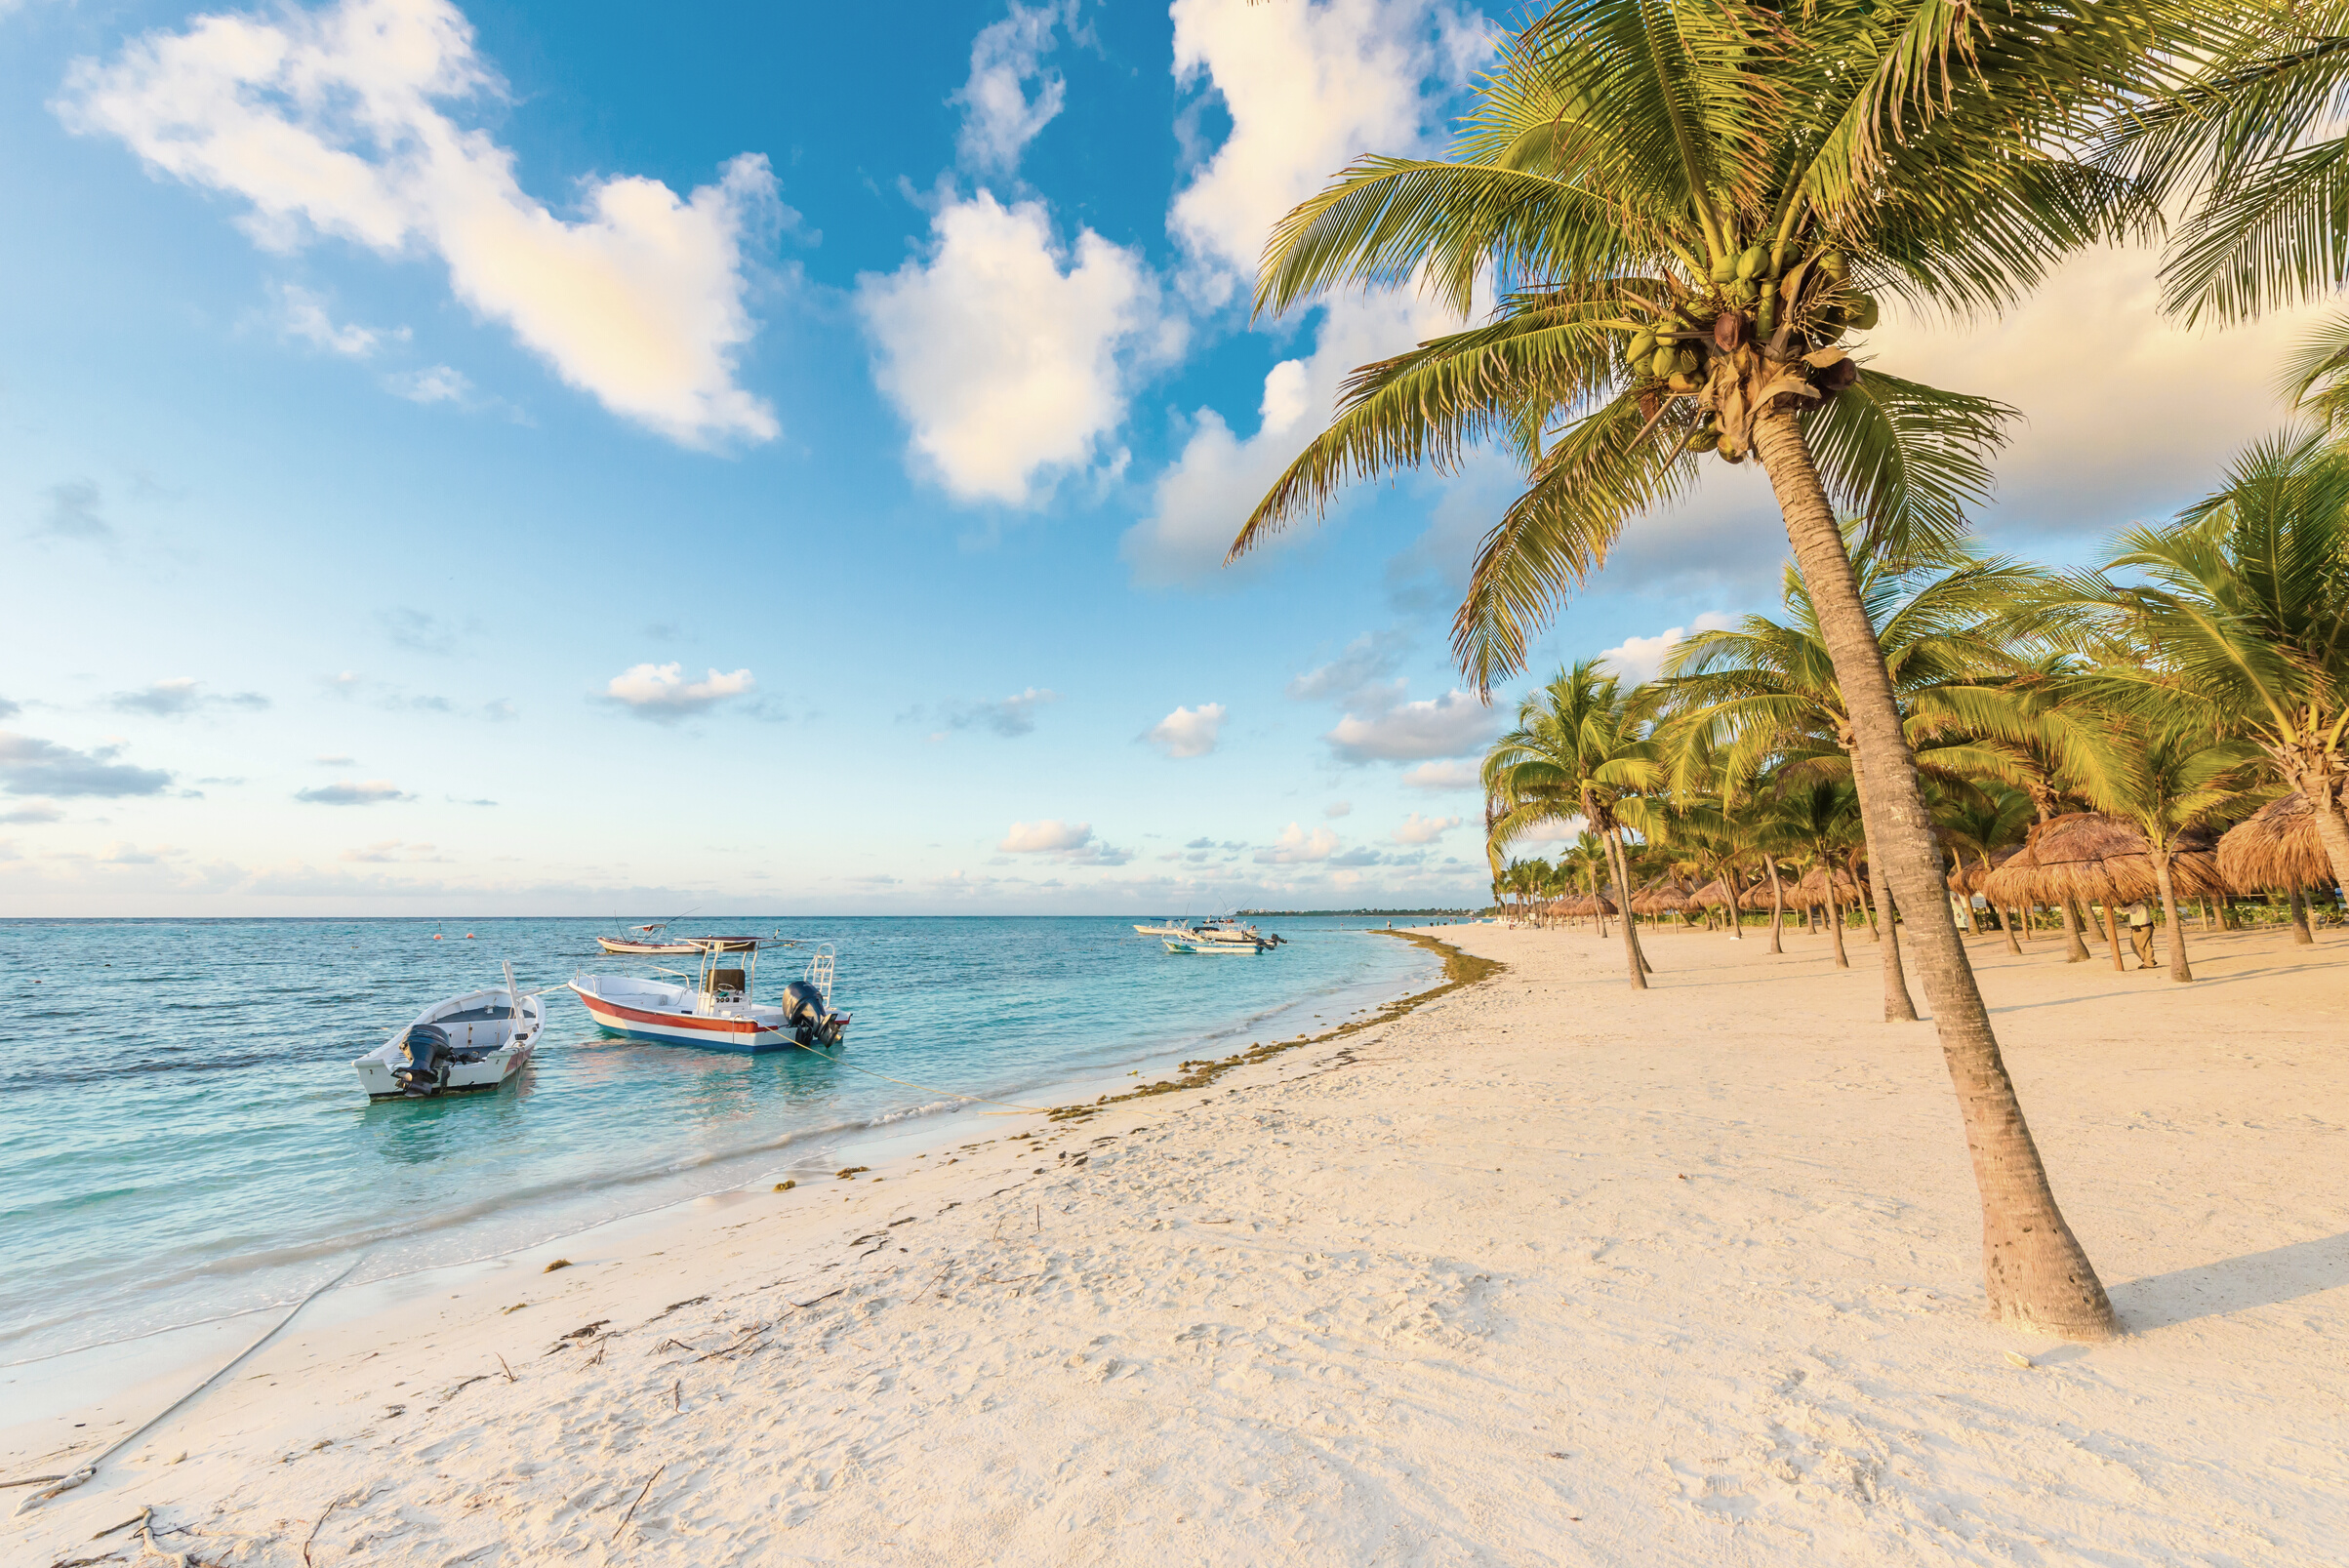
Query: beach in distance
[[1538, 1270]]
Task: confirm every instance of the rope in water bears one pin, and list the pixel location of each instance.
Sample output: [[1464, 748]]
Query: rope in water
[[67, 1483], [926, 1088]]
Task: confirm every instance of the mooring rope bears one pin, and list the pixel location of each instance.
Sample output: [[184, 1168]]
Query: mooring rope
[[67, 1483]]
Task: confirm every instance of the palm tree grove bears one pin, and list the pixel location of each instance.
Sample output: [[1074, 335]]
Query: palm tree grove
[[1668, 228]]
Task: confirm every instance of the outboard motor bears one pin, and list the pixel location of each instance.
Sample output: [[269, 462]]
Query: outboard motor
[[425, 1069], [806, 1015]]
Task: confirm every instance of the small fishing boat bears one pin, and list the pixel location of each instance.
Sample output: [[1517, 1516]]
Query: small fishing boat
[[1218, 935], [480, 1040], [716, 1011]]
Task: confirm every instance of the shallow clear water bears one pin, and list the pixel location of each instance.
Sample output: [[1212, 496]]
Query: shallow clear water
[[184, 1135]]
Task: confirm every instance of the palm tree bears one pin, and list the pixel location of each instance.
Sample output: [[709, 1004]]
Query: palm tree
[[2245, 614], [1579, 747], [1685, 206], [1822, 816], [1772, 684]]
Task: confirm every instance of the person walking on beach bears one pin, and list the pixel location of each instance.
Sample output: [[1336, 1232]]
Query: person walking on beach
[[2140, 932]]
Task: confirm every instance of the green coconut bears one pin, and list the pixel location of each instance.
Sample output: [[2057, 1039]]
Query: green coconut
[[1742, 291], [1835, 264], [1860, 315], [1687, 361], [1642, 347], [1664, 361], [1750, 261]]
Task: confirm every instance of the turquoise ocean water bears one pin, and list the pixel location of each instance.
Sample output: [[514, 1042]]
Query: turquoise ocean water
[[183, 1138]]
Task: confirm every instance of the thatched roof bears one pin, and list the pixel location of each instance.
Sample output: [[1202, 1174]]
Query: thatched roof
[[1968, 877], [1812, 892], [2097, 859], [1582, 905], [1666, 895], [2276, 848]]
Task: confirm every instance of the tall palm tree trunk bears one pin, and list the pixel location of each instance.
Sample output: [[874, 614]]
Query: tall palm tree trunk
[[2300, 934], [1633, 957], [1735, 915], [2036, 1273], [1777, 903], [2112, 937], [2178, 968], [1899, 1007], [1835, 925], [2005, 916]]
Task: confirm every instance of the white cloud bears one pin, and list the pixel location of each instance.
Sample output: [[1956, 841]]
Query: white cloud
[[1443, 776], [434, 383], [1308, 87], [1007, 364], [1296, 847], [1363, 664], [1071, 843], [32, 766], [179, 697], [1452, 725], [1042, 837], [1642, 658], [998, 117], [1188, 732], [302, 314], [1338, 808], [353, 792], [328, 122], [1418, 829], [1199, 501], [34, 811], [662, 693]]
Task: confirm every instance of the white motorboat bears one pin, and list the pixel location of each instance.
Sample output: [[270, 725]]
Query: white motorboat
[[1218, 935], [716, 1011], [480, 1040]]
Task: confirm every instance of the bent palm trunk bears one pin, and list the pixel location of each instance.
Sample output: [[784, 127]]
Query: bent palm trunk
[[1835, 927], [1778, 903], [1899, 1007], [2036, 1273], [2300, 934]]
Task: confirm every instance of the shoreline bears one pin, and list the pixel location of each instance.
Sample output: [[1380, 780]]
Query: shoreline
[[1535, 1270], [37, 1383]]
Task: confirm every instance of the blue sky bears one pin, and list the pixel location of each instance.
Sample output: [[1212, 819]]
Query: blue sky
[[517, 459]]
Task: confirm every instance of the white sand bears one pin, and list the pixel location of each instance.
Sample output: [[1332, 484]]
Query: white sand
[[1545, 1272]]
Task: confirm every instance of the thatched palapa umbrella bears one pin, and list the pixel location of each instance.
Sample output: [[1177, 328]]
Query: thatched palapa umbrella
[[1968, 877], [2276, 848], [1664, 895], [2097, 859]]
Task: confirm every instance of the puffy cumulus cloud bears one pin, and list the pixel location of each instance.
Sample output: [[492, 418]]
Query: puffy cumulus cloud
[[354, 793], [332, 122], [661, 694], [1007, 363], [1308, 87], [302, 315], [179, 697], [999, 117], [1418, 829], [1297, 847], [1642, 658], [1188, 732], [1452, 725], [1442, 776], [1199, 501], [1337, 809], [1070, 843], [32, 766]]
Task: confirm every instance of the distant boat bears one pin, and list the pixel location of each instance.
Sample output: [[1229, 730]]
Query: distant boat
[[480, 1040], [717, 1012]]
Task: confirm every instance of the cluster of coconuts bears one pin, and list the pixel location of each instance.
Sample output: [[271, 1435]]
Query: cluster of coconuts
[[1811, 305]]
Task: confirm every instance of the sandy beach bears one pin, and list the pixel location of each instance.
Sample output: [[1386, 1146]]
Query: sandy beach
[[1542, 1271]]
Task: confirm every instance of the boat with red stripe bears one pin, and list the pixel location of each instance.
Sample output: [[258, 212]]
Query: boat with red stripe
[[716, 1011]]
